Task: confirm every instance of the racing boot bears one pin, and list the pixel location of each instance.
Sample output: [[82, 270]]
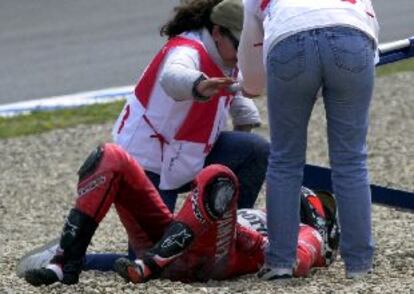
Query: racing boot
[[176, 239], [66, 264]]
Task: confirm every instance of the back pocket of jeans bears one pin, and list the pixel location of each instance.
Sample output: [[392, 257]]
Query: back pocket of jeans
[[287, 59], [350, 50]]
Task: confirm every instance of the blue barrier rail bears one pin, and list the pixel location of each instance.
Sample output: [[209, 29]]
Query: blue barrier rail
[[319, 178], [396, 51]]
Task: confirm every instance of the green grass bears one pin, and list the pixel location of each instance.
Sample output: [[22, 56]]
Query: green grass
[[406, 65], [40, 122]]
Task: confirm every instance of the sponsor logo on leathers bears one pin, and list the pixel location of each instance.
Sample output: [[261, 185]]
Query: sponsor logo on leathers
[[195, 207], [92, 185], [70, 229], [225, 232]]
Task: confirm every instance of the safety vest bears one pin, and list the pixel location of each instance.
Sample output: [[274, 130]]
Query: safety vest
[[168, 137]]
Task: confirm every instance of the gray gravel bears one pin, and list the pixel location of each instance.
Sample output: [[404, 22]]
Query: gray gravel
[[38, 184]]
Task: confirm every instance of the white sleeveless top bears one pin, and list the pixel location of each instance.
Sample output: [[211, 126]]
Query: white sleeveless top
[[266, 22]]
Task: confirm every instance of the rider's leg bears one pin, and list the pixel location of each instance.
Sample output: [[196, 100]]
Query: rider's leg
[[106, 173], [203, 229]]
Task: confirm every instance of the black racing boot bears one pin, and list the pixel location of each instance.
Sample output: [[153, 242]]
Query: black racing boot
[[177, 237], [67, 263]]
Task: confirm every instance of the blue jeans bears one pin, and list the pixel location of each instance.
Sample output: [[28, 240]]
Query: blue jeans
[[244, 153], [341, 61]]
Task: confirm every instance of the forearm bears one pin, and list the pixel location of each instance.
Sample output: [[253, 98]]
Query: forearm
[[180, 70], [177, 81], [250, 57]]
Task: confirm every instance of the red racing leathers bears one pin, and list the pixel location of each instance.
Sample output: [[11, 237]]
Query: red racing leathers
[[118, 179], [219, 247]]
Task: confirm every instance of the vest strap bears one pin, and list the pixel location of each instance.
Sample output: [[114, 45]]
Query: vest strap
[[157, 136]]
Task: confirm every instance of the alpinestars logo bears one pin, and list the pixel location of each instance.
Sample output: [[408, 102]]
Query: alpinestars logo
[[68, 234], [178, 239], [92, 185], [70, 229]]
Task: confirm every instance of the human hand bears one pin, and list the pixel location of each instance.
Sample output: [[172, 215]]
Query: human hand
[[212, 86]]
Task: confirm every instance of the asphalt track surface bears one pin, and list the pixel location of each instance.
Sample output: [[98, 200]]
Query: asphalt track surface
[[50, 47]]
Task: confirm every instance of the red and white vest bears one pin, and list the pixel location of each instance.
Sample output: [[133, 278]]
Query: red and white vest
[[168, 137]]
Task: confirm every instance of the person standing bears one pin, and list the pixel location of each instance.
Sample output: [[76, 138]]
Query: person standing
[[304, 46]]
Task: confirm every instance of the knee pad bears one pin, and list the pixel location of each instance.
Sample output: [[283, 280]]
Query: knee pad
[[218, 187], [219, 194], [91, 162]]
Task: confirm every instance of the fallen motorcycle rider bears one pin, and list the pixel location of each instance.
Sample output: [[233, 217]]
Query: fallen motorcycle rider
[[207, 239]]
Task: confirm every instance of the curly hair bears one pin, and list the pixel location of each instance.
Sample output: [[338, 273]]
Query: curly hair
[[190, 15]]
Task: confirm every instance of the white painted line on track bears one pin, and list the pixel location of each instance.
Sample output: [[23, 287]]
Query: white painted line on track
[[67, 101]]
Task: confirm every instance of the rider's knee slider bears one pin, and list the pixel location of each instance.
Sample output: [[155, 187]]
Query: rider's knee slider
[[219, 195], [217, 187]]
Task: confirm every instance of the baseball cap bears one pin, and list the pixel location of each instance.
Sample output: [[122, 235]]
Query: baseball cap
[[229, 14]]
